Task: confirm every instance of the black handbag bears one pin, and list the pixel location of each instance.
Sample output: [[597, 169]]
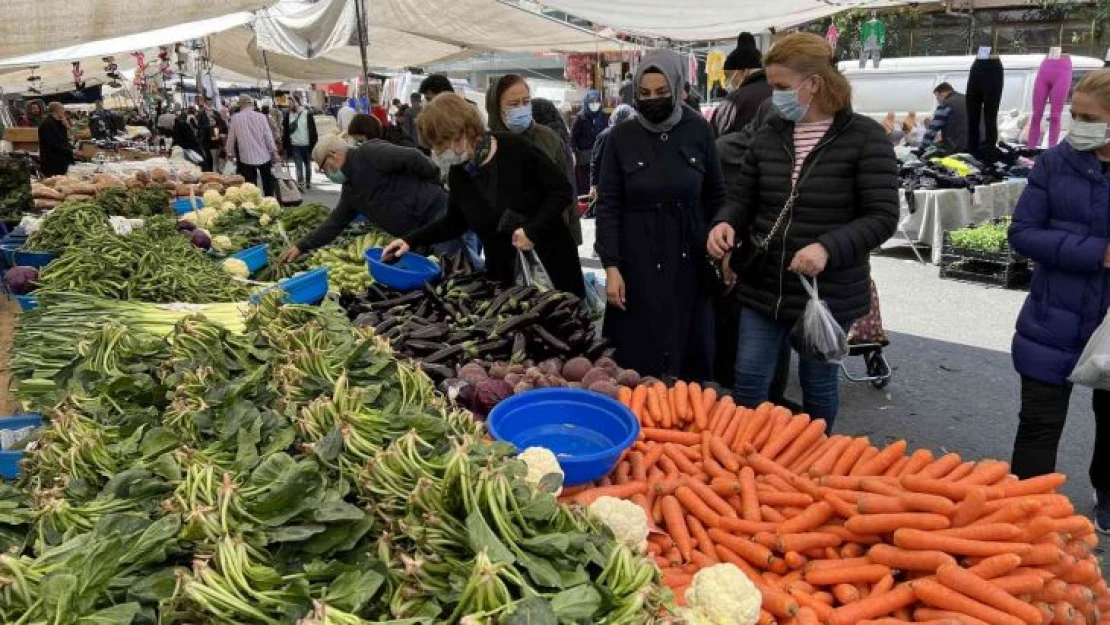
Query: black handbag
[[750, 254]]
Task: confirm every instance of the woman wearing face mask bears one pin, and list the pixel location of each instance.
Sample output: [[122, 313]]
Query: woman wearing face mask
[[817, 192], [660, 184], [502, 188], [1062, 223], [397, 189], [588, 124]]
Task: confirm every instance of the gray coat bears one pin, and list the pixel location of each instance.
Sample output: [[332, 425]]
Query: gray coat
[[398, 190]]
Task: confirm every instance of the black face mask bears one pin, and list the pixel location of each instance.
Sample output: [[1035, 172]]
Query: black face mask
[[655, 110]]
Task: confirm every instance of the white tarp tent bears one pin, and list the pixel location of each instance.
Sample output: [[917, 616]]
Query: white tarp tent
[[31, 26], [711, 19], [306, 30]]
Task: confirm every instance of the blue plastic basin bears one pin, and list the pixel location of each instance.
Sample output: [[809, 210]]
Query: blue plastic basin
[[308, 288], [27, 302], [28, 258], [255, 257], [410, 272], [184, 205], [9, 460], [587, 431]]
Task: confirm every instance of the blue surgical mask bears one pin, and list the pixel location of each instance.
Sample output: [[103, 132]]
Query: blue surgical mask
[[337, 176], [519, 118], [788, 105]]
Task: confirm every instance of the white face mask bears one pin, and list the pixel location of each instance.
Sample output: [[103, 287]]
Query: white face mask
[[449, 158], [1085, 136], [595, 106]]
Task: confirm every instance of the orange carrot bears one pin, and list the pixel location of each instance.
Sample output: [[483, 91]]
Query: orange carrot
[[846, 593], [708, 399], [779, 440], [806, 459], [896, 469], [663, 435], [944, 488], [697, 406], [881, 504], [741, 526], [755, 554], [805, 440], [975, 587], [916, 539], [748, 495], [1035, 485], [904, 560], [987, 473], [767, 513], [996, 566], [735, 422], [918, 461], [638, 404], [622, 473], [885, 523], [652, 455], [698, 533], [766, 466], [883, 585], [624, 395], [680, 394], [697, 507], [775, 422], [850, 456], [811, 518], [841, 507], [942, 466], [924, 502], [960, 472], [939, 596], [666, 419], [680, 460], [882, 460], [806, 541], [781, 499], [984, 531], [1020, 584], [723, 454], [933, 615], [675, 523], [876, 605], [719, 505], [864, 573], [620, 491], [753, 424], [832, 453]]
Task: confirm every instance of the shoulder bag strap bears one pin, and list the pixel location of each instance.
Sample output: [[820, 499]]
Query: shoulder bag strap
[[789, 205]]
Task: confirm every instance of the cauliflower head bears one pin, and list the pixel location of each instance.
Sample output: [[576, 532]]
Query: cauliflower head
[[249, 206], [227, 206], [543, 469], [222, 243], [265, 220], [207, 216], [722, 595], [627, 521], [250, 193], [236, 268], [213, 197], [233, 194], [192, 217]]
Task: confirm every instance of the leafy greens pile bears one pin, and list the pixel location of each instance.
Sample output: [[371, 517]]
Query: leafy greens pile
[[296, 472]]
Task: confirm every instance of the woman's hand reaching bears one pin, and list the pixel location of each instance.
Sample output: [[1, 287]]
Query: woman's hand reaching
[[810, 260], [721, 239], [521, 240], [396, 249]]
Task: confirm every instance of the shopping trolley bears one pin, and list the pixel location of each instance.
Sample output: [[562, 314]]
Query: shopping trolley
[[866, 339]]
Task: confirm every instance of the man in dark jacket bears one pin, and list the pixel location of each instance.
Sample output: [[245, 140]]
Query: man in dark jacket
[[748, 87], [299, 139], [397, 189], [55, 149], [949, 120]]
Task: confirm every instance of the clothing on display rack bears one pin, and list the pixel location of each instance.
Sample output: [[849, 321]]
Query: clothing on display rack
[[833, 36], [1053, 83], [984, 95], [872, 37]]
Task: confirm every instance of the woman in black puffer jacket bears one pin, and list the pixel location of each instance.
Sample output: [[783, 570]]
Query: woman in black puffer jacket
[[844, 176]]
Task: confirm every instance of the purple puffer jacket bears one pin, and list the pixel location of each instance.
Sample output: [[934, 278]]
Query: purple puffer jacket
[[1062, 223]]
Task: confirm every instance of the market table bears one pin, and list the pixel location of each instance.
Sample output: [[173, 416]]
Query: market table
[[942, 210]]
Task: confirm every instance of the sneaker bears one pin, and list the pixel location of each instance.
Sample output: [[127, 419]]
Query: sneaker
[[1102, 511]]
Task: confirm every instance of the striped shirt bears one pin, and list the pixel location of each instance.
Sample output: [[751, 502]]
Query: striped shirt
[[806, 137], [249, 138]]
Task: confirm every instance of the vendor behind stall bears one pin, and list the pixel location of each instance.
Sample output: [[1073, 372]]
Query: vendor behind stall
[[55, 149], [396, 188]]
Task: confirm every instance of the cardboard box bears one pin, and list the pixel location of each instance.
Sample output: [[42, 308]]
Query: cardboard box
[[19, 134]]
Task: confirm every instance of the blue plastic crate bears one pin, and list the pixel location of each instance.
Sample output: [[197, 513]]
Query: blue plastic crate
[[28, 258], [184, 205], [7, 254], [308, 288], [9, 460], [27, 302], [255, 257]]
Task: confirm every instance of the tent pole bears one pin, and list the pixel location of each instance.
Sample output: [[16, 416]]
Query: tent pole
[[360, 17], [266, 62]]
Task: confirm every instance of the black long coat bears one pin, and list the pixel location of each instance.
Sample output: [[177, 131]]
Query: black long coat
[[656, 196], [526, 183], [55, 150], [848, 204]]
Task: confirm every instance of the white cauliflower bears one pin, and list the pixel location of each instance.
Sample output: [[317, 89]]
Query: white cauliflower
[[627, 521], [722, 595], [233, 194], [212, 197], [223, 244], [269, 204], [206, 216], [250, 193], [250, 207], [542, 464], [192, 217], [265, 220], [236, 268], [227, 206]]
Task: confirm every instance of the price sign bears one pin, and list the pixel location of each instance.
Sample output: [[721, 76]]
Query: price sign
[[984, 52], [1055, 52]]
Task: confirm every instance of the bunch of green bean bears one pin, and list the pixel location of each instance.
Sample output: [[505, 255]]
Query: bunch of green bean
[[68, 226]]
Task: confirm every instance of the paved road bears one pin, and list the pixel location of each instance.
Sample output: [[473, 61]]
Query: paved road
[[954, 387]]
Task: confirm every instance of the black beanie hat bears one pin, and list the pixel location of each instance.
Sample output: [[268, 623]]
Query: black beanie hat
[[745, 56]]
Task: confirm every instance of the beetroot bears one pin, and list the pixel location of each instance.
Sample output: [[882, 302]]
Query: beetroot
[[499, 370], [629, 378], [596, 375], [576, 369], [605, 387], [516, 368], [551, 366], [473, 373], [200, 239], [608, 364], [522, 387], [185, 226], [555, 381], [514, 378], [21, 280], [489, 393]]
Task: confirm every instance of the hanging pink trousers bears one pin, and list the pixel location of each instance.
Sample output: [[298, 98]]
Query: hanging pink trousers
[[1053, 83]]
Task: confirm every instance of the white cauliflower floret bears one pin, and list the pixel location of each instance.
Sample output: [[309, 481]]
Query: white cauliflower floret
[[269, 205], [722, 595], [250, 193], [541, 463], [227, 206], [222, 243], [206, 216], [233, 194], [236, 267], [212, 197], [250, 207], [627, 521], [265, 220]]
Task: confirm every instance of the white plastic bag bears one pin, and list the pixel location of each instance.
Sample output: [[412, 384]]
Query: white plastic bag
[[817, 336], [1093, 368], [531, 272]]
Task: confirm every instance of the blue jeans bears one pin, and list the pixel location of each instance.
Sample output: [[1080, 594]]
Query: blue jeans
[[761, 338], [474, 248], [301, 163]]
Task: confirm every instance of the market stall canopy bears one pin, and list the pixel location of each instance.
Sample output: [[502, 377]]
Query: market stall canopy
[[32, 26], [306, 29], [713, 19]]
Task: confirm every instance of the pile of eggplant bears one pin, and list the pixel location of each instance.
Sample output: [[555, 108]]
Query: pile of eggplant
[[466, 317]]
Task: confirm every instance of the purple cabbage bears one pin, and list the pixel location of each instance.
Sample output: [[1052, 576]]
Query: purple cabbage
[[21, 280], [489, 393], [184, 225], [200, 240]]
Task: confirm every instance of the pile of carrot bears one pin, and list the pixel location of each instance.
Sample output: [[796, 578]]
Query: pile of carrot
[[834, 530]]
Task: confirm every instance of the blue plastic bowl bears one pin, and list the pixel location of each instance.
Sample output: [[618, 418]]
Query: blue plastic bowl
[[308, 288], [27, 302], [27, 258], [255, 257], [587, 431], [182, 206], [9, 460], [410, 272]]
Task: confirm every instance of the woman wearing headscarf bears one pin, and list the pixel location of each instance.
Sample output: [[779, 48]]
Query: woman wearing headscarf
[[621, 113], [660, 185], [509, 107], [588, 124]]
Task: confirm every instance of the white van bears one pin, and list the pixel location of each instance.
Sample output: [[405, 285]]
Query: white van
[[906, 84]]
